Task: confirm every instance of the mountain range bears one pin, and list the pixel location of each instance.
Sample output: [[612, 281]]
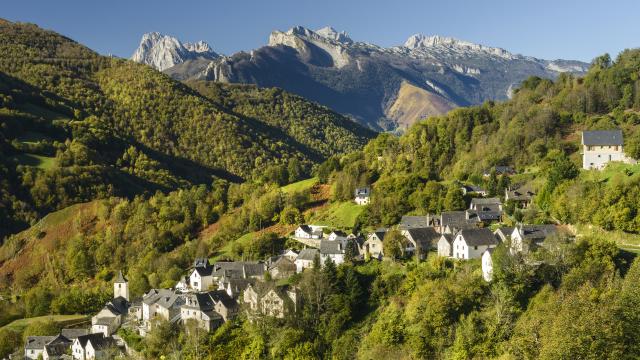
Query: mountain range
[[382, 88]]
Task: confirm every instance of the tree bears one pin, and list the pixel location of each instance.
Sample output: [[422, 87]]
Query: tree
[[350, 251], [394, 244], [454, 200]]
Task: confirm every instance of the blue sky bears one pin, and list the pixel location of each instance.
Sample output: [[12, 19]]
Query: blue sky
[[547, 29]]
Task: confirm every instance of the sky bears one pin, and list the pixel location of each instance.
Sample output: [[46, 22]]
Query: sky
[[565, 29]]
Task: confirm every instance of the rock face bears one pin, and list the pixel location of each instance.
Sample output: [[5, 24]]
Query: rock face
[[383, 88], [163, 52]]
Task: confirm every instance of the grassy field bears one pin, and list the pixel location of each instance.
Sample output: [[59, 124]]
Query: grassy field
[[63, 320], [626, 241], [300, 185], [337, 215], [612, 170], [39, 161]]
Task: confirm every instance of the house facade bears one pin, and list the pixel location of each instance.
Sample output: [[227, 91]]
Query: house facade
[[471, 243], [445, 245], [373, 245], [305, 259], [600, 147], [308, 232]]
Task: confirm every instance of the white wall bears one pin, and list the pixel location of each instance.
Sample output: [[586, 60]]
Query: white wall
[[444, 248], [599, 156], [487, 266]]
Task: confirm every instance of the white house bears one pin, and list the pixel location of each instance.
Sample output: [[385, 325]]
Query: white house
[[93, 346], [309, 232], [333, 250], [471, 243], [373, 244], [34, 346], [201, 278], [305, 259], [362, 195], [487, 264], [599, 147], [445, 245]]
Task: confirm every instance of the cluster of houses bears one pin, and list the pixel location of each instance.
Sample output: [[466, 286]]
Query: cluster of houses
[[72, 344], [208, 297], [213, 293]]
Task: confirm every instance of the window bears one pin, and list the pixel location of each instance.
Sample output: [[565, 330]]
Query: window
[[475, 248]]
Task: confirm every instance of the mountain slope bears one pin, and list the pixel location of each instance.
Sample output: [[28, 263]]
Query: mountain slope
[[364, 81], [78, 126]]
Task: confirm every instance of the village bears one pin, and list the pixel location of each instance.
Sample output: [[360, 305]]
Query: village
[[212, 293]]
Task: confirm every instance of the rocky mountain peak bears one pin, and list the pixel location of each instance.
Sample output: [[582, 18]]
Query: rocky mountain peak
[[420, 41], [330, 33], [164, 51]]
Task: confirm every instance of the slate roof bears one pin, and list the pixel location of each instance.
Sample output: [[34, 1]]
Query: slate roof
[[340, 233], [239, 268], [309, 230], [457, 220], [202, 267], [94, 338], [120, 278], [199, 301], [220, 296], [602, 137], [154, 295], [331, 247], [37, 342], [505, 231], [447, 237], [408, 222], [522, 193], [486, 215], [118, 306], [485, 201], [170, 300], [282, 263], [478, 237], [73, 333], [537, 232], [58, 346], [308, 254], [381, 232], [424, 237], [363, 191], [101, 342]]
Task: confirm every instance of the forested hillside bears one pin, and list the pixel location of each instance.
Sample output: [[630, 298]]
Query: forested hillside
[[76, 126]]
